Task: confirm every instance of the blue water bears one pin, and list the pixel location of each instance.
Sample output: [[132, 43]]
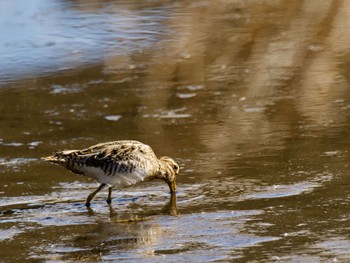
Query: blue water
[[39, 36]]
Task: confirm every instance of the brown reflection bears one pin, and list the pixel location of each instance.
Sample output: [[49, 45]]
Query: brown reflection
[[261, 69], [171, 207], [323, 80], [264, 67]]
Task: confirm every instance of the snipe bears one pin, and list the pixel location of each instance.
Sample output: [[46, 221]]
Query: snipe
[[118, 164]]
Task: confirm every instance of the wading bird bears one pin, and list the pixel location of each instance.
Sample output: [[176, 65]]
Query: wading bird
[[118, 164]]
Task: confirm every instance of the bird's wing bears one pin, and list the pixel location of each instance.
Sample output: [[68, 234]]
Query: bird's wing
[[123, 157], [97, 148]]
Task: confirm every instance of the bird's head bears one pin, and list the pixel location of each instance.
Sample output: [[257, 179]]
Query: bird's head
[[168, 169], [61, 158]]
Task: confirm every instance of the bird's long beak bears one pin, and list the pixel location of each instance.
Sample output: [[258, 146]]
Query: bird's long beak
[[53, 159], [48, 159], [172, 186]]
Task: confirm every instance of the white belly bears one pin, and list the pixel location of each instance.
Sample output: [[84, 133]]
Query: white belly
[[118, 179]]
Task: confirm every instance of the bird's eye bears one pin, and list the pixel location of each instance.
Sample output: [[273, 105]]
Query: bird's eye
[[175, 167]]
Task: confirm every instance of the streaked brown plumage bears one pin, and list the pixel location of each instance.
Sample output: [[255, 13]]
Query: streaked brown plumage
[[118, 163]]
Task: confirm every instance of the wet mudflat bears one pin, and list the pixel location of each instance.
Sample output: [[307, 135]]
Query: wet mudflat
[[251, 98]]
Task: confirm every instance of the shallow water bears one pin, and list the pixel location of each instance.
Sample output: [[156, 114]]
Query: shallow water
[[251, 98]]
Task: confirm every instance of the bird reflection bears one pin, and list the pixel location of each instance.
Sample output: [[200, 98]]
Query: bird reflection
[[170, 208], [90, 211], [122, 231]]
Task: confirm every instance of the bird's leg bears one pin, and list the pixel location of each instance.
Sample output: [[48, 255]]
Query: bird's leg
[[109, 198], [88, 200]]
